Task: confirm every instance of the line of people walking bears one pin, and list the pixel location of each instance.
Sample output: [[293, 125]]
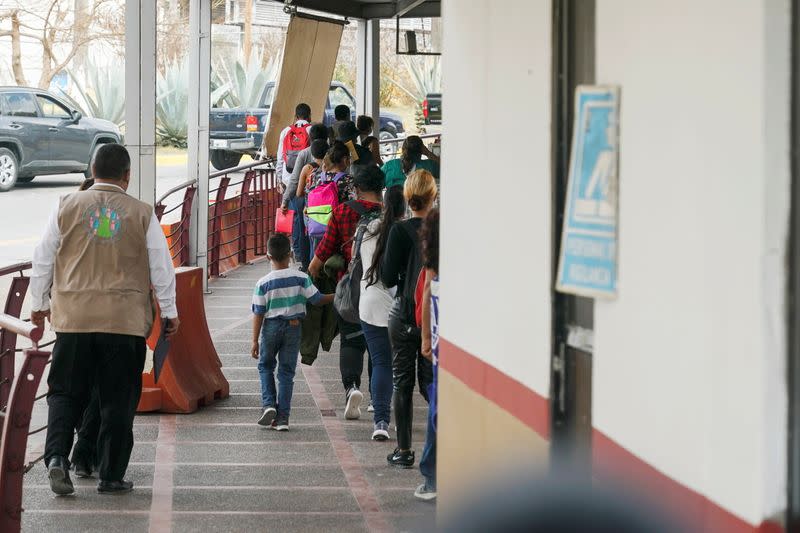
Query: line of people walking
[[364, 237]]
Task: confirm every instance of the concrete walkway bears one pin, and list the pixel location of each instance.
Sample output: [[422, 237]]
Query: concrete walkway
[[216, 470]]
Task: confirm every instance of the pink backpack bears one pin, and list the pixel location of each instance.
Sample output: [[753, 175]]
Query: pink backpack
[[322, 200]]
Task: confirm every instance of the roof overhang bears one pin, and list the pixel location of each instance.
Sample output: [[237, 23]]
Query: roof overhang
[[373, 9]]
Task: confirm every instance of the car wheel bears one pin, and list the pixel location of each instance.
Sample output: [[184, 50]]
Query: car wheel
[[223, 159], [9, 170], [88, 172], [389, 150]]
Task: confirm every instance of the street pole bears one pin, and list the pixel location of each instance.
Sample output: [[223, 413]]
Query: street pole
[[199, 108], [140, 97], [368, 70]]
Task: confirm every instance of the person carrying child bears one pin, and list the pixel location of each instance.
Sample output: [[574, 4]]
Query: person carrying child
[[279, 304]]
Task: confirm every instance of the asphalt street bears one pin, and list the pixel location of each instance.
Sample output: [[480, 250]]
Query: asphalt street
[[24, 210]]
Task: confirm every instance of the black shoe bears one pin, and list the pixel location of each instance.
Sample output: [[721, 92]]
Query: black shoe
[[282, 423], [114, 487], [401, 459], [58, 472], [267, 416], [82, 470]]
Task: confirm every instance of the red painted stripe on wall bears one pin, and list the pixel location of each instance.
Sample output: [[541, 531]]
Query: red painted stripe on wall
[[525, 404], [608, 457]]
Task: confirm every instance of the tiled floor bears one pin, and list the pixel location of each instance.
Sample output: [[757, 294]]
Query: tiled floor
[[216, 470]]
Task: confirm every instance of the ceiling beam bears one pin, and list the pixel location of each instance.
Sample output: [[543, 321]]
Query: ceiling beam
[[369, 10], [388, 10], [344, 8], [405, 6]]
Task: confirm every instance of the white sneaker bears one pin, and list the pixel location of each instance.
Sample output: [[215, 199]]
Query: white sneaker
[[352, 410], [425, 493], [371, 408], [267, 417]]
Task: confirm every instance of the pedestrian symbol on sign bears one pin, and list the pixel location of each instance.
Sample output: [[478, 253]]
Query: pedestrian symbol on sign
[[587, 263]]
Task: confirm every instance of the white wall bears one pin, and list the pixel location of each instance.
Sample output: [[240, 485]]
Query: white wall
[[496, 245], [689, 360]]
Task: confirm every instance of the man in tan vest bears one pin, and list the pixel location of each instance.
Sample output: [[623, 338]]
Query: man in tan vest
[[101, 253]]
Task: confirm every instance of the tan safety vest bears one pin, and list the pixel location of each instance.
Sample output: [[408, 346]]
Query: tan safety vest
[[101, 281]]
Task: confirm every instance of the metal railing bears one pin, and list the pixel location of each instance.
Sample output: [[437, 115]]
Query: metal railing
[[391, 148], [16, 416], [239, 226]]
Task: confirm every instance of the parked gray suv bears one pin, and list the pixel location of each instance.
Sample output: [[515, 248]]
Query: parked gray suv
[[40, 134]]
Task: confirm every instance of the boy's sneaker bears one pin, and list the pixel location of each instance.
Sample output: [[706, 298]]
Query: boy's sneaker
[[281, 423], [425, 492], [352, 410], [371, 408], [267, 416], [381, 431]]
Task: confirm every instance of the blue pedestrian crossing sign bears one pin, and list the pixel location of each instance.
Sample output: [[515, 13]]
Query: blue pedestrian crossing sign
[[587, 263]]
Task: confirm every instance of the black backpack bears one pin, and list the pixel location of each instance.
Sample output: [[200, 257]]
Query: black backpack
[[348, 290], [413, 267]]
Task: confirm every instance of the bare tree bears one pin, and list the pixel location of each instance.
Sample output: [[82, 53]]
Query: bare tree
[[61, 32], [16, 53], [80, 31], [247, 43]]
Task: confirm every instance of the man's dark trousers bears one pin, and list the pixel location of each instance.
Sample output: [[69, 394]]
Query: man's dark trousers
[[114, 363], [85, 449]]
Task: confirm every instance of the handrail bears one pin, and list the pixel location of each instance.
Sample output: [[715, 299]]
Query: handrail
[[213, 175], [20, 327], [398, 139], [175, 189], [247, 166], [19, 267]]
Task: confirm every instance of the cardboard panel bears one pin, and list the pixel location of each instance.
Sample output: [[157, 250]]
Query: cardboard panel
[[309, 58]]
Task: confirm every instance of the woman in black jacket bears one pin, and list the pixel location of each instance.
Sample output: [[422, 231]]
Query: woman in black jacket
[[400, 268]]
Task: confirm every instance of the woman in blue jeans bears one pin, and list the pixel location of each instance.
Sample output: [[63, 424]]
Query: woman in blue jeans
[[374, 305]]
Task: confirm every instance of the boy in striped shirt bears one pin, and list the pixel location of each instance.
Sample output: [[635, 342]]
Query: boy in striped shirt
[[279, 304]]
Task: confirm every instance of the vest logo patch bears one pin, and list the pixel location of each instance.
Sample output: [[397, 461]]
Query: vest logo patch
[[104, 222]]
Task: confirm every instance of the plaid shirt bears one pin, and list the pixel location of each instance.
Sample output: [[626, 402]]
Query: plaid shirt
[[341, 229]]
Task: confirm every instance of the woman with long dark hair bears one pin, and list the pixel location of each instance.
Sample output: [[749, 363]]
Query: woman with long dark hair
[[411, 160], [374, 306]]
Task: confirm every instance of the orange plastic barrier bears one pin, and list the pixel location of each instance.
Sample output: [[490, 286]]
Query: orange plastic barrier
[[192, 374]]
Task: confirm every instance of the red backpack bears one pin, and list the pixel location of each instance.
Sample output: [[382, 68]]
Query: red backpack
[[296, 139], [419, 296]]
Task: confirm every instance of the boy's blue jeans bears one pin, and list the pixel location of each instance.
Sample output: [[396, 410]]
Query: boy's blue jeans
[[280, 346]]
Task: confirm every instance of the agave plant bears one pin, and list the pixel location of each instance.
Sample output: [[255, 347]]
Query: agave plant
[[244, 83], [426, 73], [102, 91], [172, 105]]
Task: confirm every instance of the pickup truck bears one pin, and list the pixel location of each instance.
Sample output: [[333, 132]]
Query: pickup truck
[[432, 108], [239, 131], [40, 134]]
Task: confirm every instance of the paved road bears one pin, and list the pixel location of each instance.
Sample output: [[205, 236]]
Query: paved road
[[25, 208]]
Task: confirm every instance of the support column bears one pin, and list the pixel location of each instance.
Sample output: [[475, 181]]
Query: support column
[[199, 108], [140, 97], [368, 70]]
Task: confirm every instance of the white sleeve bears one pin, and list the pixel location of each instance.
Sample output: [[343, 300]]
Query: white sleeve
[[44, 257], [279, 155], [162, 272]]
